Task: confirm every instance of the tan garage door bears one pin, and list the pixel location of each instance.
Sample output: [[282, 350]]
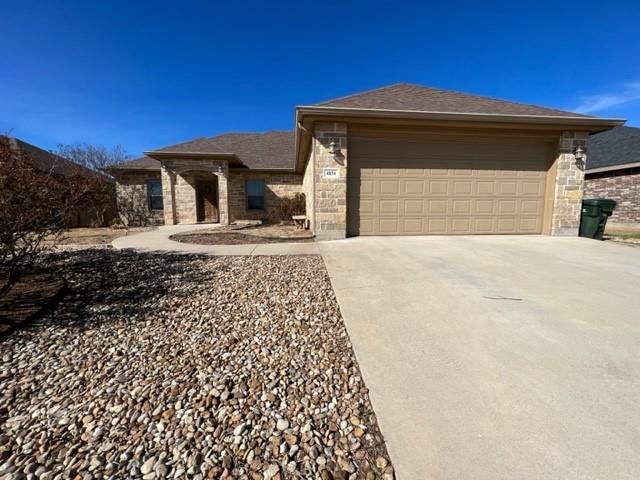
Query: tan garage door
[[446, 186]]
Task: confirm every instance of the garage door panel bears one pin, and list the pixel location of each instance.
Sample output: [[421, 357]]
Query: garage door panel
[[438, 187], [483, 207], [459, 225], [413, 187], [461, 187], [506, 224], [414, 207], [530, 224], [530, 188], [389, 226], [367, 187], [437, 207], [507, 207], [389, 206], [485, 187], [531, 207], [397, 188], [461, 207], [387, 187], [412, 226], [436, 225], [484, 225], [508, 188]]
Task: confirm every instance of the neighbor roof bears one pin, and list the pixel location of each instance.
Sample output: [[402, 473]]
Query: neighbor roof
[[410, 97], [46, 161], [614, 148], [270, 150]]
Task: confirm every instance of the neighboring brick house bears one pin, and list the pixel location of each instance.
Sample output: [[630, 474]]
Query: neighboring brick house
[[613, 171], [50, 163], [399, 160]]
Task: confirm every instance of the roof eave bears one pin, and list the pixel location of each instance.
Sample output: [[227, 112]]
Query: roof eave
[[611, 168], [303, 110], [165, 155]]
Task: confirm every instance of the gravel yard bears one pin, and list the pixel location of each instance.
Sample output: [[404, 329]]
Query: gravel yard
[[187, 367]]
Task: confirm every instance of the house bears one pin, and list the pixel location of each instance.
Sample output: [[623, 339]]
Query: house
[[398, 160], [613, 171], [49, 163]]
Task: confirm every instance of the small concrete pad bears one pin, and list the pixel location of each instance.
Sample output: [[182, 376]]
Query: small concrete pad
[[488, 358]]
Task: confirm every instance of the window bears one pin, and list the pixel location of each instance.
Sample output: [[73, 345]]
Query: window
[[154, 192], [255, 194]]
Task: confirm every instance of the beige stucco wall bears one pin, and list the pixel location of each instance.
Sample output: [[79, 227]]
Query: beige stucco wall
[[277, 186], [133, 203]]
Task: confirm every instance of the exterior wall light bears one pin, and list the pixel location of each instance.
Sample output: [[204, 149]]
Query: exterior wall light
[[579, 154], [333, 148]]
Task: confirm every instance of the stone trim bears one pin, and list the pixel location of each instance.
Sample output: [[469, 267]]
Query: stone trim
[[330, 194], [179, 192], [569, 185]]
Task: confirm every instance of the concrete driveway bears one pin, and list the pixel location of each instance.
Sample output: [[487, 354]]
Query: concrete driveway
[[487, 358]]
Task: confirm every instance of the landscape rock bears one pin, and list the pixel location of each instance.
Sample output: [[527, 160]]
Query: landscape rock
[[172, 366]]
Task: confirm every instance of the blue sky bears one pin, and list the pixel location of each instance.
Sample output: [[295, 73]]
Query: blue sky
[[149, 74]]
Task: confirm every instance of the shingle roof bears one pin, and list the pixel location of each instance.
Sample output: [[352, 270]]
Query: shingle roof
[[405, 96], [47, 161], [142, 163], [268, 150], [617, 146]]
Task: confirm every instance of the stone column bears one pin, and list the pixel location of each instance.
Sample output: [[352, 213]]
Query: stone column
[[223, 193], [168, 196], [330, 202], [569, 186]]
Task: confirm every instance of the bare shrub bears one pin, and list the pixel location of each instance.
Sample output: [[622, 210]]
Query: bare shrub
[[35, 207], [291, 205]]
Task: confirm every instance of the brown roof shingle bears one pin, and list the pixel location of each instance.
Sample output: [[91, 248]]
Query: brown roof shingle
[[142, 163], [270, 150], [409, 97], [47, 161]]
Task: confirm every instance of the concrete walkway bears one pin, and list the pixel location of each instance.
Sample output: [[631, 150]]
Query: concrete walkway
[[158, 241], [497, 358]]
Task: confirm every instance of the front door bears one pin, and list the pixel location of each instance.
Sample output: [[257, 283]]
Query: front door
[[207, 201]]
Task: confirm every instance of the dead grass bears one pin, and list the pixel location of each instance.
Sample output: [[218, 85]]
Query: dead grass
[[242, 235], [96, 236]]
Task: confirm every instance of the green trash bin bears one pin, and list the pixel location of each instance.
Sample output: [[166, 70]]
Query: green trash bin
[[595, 212]]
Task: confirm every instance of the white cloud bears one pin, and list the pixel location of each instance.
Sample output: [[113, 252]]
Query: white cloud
[[630, 92]]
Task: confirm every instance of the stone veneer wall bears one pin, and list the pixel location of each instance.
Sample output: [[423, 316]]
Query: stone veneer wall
[[133, 203], [330, 194], [623, 186], [569, 185], [179, 193], [308, 187], [277, 185]]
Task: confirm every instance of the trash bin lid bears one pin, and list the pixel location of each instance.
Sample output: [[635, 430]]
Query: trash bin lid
[[600, 202]]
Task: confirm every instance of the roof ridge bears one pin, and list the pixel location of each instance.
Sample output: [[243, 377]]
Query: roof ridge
[[377, 89], [454, 92], [249, 133], [495, 99]]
